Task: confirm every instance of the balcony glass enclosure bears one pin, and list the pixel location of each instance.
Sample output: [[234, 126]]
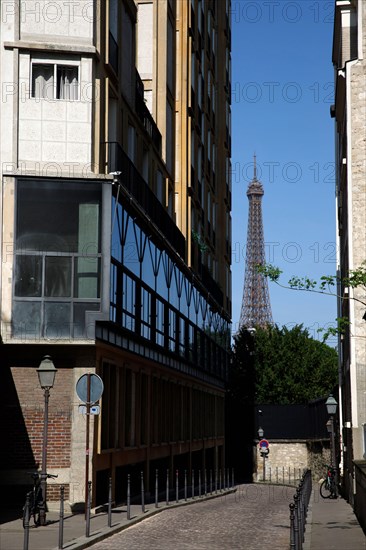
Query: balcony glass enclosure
[[57, 276], [57, 258]]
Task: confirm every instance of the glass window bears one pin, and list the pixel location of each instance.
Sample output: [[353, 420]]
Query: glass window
[[57, 320], [160, 322], [58, 217], [128, 304], [147, 270], [165, 306], [43, 81], [67, 83], [55, 81], [58, 255], [145, 313], [58, 276], [26, 319], [80, 309], [28, 276], [87, 277], [130, 252]]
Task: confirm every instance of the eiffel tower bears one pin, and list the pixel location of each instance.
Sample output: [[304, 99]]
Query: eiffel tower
[[256, 306]]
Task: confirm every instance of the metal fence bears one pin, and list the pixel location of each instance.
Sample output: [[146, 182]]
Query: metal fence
[[285, 475], [186, 486], [298, 511]]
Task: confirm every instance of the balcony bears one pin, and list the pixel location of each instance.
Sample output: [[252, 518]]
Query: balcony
[[132, 180], [144, 114]]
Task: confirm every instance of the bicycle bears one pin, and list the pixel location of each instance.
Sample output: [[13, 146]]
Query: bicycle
[[35, 499], [328, 487]]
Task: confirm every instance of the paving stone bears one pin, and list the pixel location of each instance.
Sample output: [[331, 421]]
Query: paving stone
[[253, 518]]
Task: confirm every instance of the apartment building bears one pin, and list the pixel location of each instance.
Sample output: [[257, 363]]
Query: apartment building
[[115, 205], [349, 111]]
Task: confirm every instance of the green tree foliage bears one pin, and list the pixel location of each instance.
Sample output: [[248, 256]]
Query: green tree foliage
[[327, 284], [288, 366]]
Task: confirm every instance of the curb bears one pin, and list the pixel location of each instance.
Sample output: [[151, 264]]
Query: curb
[[85, 542]]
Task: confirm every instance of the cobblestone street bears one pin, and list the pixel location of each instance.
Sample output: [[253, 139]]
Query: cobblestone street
[[253, 518]]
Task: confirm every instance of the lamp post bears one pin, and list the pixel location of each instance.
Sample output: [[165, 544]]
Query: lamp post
[[332, 405], [46, 375]]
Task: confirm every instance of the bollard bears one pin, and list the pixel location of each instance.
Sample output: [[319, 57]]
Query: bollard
[[192, 488], [289, 475], [270, 474], [199, 483], [110, 502], [292, 526], [232, 478], [301, 510], [220, 481], [128, 496], [88, 507], [283, 475], [228, 479], [26, 522], [176, 486], [296, 529], [61, 524], [185, 485], [216, 482], [301, 503], [142, 493], [205, 482], [156, 488], [167, 487], [211, 482]]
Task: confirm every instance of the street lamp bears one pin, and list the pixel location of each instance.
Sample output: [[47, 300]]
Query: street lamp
[[46, 375], [332, 405]]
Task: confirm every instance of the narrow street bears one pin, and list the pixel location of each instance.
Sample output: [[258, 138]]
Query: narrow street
[[253, 518]]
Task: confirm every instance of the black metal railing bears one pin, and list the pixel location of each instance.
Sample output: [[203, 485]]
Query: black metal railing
[[144, 114], [298, 511], [135, 184]]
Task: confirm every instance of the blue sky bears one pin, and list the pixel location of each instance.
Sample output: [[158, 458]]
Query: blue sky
[[282, 90]]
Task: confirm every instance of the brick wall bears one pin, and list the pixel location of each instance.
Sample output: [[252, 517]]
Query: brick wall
[[24, 420]]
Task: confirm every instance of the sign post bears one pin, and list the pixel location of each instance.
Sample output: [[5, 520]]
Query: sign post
[[264, 449], [89, 389]]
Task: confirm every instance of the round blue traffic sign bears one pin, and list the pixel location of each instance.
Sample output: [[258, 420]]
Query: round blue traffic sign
[[96, 387], [263, 444]]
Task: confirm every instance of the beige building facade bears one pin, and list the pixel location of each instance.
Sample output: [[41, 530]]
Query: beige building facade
[[349, 111], [115, 236]]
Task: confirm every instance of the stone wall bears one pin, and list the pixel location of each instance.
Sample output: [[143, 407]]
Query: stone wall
[[287, 459]]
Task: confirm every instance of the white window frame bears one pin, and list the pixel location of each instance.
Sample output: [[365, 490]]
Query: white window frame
[[55, 63]]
